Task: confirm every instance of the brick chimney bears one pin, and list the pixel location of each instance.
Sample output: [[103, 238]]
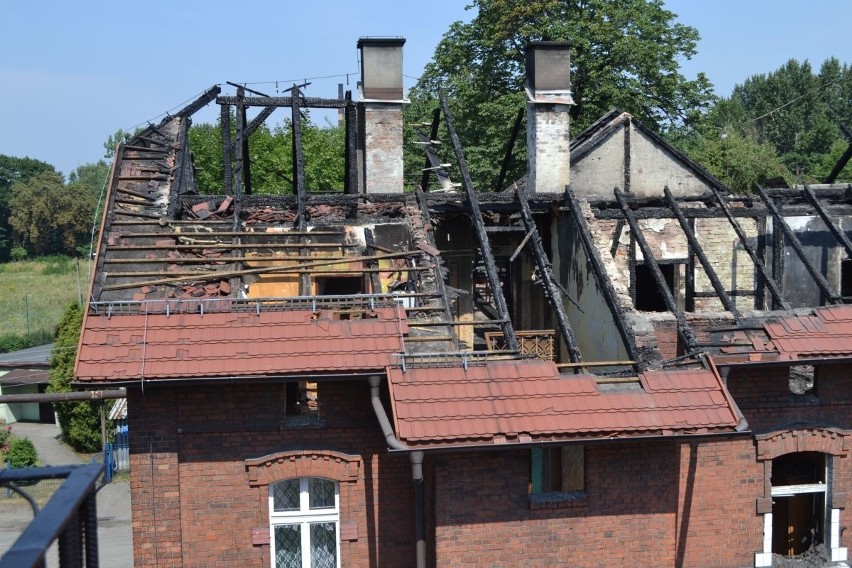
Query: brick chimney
[[380, 115], [548, 88]]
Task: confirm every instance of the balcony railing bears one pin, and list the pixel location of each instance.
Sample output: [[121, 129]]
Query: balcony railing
[[538, 343], [70, 516]]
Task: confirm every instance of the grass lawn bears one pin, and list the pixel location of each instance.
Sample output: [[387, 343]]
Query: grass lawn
[[35, 293]]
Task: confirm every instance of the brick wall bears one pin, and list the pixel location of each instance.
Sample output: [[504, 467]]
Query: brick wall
[[763, 394], [647, 504], [195, 503]]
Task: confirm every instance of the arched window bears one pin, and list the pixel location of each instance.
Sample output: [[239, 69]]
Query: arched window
[[304, 514]]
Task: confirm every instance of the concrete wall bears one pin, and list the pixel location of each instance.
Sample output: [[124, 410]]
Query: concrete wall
[[593, 323], [822, 250], [196, 503], [15, 411], [646, 504]]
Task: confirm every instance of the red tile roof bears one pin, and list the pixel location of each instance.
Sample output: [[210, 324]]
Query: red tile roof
[[827, 333], [192, 345], [528, 400]]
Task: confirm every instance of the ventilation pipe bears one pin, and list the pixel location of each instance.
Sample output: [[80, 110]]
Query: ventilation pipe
[[380, 115], [416, 458], [548, 68]]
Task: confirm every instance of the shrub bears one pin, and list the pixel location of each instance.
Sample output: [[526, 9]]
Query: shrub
[[22, 453], [5, 435], [18, 254], [12, 342]]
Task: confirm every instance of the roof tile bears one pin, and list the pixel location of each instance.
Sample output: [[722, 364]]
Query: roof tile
[[506, 398]]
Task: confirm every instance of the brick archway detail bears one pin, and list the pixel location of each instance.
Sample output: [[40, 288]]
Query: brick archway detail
[[834, 441], [303, 463]]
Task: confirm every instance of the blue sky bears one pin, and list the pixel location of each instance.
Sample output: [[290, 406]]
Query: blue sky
[[71, 73]]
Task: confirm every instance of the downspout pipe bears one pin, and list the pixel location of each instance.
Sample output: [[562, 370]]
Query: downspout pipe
[[416, 458]]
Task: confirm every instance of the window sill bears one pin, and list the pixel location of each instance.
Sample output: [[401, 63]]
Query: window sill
[[304, 421], [558, 500]]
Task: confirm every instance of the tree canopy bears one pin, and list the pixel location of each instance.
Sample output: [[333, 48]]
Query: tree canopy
[[626, 54], [784, 123], [271, 157], [79, 421]]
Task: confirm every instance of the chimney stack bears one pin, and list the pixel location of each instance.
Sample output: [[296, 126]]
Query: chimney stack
[[548, 66], [380, 115]]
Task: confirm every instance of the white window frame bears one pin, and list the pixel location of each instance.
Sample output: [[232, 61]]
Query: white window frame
[[304, 517]]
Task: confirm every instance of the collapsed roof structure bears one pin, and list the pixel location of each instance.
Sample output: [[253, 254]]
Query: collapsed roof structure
[[558, 312]]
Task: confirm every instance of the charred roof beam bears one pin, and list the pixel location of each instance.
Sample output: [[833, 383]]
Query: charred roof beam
[[683, 328], [699, 252], [844, 159], [433, 162], [305, 102], [829, 222], [794, 241], [601, 276], [199, 103], [482, 236], [774, 289], [551, 291]]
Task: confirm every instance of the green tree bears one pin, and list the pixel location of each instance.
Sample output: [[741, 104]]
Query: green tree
[[118, 137], [79, 421], [626, 54], [271, 157], [737, 161], [14, 169], [49, 218], [794, 110]]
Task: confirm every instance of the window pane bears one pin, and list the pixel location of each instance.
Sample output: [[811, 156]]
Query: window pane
[[288, 546], [324, 545], [285, 495], [321, 493]]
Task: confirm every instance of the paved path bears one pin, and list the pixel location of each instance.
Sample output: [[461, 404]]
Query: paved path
[[114, 532]]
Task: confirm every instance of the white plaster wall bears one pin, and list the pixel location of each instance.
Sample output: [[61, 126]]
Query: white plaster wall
[[597, 173], [652, 168]]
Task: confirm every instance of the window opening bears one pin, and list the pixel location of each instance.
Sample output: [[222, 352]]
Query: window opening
[[304, 518], [803, 379], [648, 296], [339, 285], [846, 281], [560, 468], [798, 502], [301, 398]]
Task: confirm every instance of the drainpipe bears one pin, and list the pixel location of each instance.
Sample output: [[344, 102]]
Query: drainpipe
[[416, 458]]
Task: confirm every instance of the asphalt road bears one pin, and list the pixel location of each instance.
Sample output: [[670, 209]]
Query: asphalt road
[[115, 538]]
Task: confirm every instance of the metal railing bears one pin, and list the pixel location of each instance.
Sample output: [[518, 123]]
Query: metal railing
[[219, 305], [70, 516], [462, 359]]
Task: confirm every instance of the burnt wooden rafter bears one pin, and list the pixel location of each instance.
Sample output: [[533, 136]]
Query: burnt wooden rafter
[[433, 162], [475, 214], [199, 103], [440, 285], [844, 159], [796, 244], [350, 185], [551, 291], [774, 289], [227, 148], [507, 153], [601, 277], [695, 248], [683, 328], [310, 102], [829, 222]]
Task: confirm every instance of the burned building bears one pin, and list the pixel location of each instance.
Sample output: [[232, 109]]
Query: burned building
[[613, 361]]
